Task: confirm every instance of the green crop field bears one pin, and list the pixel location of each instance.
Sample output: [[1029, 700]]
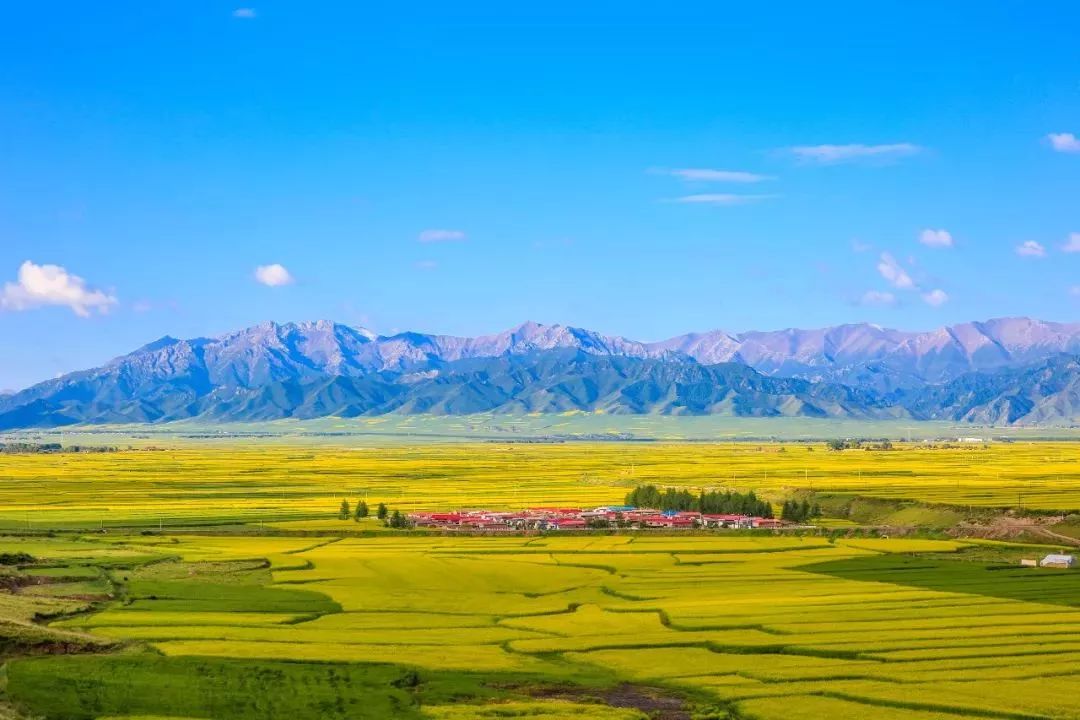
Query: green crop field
[[404, 626], [217, 582]]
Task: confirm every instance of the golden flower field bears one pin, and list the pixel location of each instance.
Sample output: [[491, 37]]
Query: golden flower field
[[224, 586], [268, 483]]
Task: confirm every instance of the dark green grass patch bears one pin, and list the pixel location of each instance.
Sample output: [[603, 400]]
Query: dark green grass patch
[[179, 596], [959, 575], [86, 687], [65, 571], [233, 586]]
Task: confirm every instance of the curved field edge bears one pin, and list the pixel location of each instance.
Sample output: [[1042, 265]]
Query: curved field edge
[[762, 615]]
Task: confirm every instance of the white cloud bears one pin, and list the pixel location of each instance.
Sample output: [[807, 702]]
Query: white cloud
[[274, 275], [833, 154], [426, 265], [935, 298], [860, 247], [42, 285], [1075, 291], [709, 175], [1030, 248], [1072, 245], [898, 276], [876, 297], [721, 199], [437, 235], [1064, 142], [894, 272], [936, 238], [244, 13]]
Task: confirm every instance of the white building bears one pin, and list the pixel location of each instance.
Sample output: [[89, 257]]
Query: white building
[[1058, 561]]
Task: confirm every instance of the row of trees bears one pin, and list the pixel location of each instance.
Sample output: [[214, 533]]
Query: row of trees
[[393, 519], [724, 503], [23, 448], [796, 511], [838, 445]]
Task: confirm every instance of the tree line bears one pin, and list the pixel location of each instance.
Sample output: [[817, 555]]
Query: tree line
[[713, 503], [838, 445], [796, 511], [393, 519], [24, 448]]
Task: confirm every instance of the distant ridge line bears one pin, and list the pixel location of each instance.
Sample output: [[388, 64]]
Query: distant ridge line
[[1011, 369]]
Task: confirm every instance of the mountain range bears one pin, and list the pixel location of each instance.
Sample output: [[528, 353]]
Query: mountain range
[[1003, 371]]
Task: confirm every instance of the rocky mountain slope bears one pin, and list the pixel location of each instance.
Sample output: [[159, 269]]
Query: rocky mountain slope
[[1045, 392], [999, 371]]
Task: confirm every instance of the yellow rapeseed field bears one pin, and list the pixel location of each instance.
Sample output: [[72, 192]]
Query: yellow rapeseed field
[[264, 483], [750, 621], [773, 627]]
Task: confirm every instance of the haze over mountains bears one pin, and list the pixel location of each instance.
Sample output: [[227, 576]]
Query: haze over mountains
[[1004, 371]]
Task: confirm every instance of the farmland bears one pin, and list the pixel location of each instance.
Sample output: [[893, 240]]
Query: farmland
[[753, 627], [202, 581], [274, 483]]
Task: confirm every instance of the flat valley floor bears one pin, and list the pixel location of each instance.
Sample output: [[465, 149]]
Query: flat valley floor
[[219, 583]]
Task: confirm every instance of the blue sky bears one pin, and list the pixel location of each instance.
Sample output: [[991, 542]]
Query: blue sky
[[463, 167]]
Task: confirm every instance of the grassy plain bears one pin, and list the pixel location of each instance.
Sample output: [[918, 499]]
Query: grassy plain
[[264, 482], [484, 427]]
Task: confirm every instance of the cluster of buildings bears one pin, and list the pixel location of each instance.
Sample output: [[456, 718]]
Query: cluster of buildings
[[553, 518]]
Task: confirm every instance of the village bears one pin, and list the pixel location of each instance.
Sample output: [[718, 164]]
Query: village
[[609, 516], [646, 507]]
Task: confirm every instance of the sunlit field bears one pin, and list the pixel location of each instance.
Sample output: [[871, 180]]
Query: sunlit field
[[265, 483], [759, 627], [239, 616]]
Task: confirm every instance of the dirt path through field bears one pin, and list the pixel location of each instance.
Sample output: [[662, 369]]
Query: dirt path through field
[[657, 703], [1013, 528]]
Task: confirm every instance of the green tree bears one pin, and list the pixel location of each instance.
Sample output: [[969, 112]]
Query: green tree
[[727, 502], [382, 512], [398, 521], [362, 511], [343, 513]]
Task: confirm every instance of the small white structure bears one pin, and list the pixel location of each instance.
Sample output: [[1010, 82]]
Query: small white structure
[[1028, 562], [1058, 561]]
